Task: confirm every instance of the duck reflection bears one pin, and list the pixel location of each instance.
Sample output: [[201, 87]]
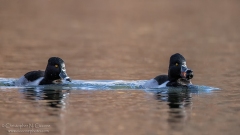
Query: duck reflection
[[179, 100], [54, 97]]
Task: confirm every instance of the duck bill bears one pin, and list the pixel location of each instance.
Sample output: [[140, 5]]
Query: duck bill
[[64, 76], [186, 72]]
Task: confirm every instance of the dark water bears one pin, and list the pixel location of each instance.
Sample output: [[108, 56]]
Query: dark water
[[121, 40]]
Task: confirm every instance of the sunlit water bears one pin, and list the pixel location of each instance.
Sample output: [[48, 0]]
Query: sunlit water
[[90, 99], [110, 49]]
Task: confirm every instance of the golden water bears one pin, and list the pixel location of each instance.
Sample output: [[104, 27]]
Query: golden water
[[122, 40]]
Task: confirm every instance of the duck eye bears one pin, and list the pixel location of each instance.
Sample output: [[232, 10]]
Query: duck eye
[[56, 66], [176, 64]]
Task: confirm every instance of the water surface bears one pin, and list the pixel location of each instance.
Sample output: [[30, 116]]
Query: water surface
[[121, 40]]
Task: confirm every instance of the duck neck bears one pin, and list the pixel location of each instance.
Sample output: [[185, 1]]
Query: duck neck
[[179, 82]]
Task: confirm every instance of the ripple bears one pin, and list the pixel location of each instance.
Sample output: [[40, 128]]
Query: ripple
[[109, 85]]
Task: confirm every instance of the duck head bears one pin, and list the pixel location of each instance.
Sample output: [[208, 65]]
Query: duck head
[[178, 69], [56, 70]]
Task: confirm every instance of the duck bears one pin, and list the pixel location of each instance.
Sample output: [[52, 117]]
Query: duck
[[54, 73], [178, 74]]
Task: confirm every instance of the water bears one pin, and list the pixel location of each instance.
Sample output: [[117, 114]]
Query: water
[[104, 85], [56, 102], [110, 48]]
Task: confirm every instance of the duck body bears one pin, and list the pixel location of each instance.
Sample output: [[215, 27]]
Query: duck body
[[54, 74], [178, 74]]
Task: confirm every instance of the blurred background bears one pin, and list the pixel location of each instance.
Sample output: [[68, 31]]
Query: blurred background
[[128, 40], [118, 39]]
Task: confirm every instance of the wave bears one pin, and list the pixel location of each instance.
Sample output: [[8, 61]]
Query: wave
[[6, 83]]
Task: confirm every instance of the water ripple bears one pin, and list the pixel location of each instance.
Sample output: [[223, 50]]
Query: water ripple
[[109, 85]]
